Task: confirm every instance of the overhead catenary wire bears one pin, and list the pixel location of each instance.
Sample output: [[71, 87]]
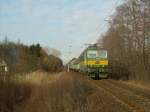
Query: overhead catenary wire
[[101, 27]]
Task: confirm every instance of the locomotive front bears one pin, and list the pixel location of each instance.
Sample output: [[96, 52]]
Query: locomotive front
[[95, 62]]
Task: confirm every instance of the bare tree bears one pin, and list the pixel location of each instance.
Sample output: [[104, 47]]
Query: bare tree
[[127, 40]]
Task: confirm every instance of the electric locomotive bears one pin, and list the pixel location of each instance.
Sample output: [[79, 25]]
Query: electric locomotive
[[93, 61]]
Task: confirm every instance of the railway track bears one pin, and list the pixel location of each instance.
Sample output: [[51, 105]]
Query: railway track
[[131, 98], [139, 91]]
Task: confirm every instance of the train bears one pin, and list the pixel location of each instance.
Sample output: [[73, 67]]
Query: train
[[93, 61]]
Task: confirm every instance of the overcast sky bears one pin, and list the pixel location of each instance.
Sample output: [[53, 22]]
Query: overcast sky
[[55, 23]]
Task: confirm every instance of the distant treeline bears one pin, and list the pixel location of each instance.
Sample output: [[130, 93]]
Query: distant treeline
[[21, 58], [128, 40]]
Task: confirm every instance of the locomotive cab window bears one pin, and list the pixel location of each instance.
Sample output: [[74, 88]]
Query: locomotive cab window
[[103, 54], [92, 54]]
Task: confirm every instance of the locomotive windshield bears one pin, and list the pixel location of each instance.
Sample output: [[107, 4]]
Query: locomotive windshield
[[92, 54], [103, 54]]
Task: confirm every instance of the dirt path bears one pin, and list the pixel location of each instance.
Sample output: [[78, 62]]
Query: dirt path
[[70, 92]]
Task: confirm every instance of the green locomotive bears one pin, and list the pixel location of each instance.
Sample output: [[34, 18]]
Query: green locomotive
[[92, 61]]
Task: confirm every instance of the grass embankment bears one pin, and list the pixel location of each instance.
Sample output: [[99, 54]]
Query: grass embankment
[[18, 88], [65, 93]]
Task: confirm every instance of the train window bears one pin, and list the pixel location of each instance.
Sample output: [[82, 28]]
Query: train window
[[92, 54], [103, 54]]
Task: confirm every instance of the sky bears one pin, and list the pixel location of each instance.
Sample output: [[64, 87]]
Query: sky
[[56, 23]]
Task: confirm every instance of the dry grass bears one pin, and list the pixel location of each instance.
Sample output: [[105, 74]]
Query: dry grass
[[18, 88], [12, 93], [62, 92], [35, 78], [68, 93]]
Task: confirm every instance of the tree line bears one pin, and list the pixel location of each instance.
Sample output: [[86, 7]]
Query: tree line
[[128, 40], [21, 58]]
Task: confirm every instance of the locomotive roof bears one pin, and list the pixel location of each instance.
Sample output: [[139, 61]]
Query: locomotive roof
[[92, 47]]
